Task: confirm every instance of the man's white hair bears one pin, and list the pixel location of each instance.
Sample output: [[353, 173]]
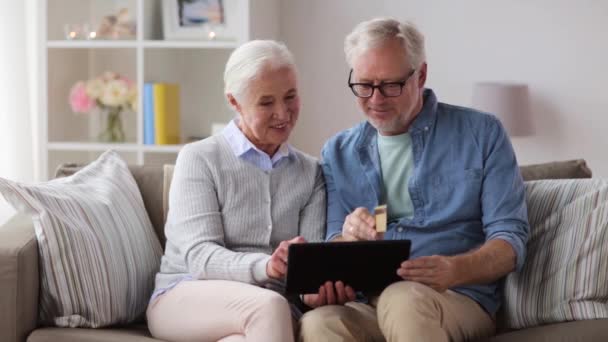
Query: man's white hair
[[248, 60], [372, 33]]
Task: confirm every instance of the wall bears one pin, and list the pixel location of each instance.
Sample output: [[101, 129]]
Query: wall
[[558, 47]]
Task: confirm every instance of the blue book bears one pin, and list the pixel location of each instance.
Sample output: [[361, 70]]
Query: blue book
[[149, 114]]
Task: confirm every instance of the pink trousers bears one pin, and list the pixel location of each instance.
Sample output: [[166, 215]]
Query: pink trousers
[[220, 310]]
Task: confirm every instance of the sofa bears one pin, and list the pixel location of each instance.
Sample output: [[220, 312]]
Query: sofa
[[19, 272]]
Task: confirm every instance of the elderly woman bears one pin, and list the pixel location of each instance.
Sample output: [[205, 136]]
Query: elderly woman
[[238, 200]]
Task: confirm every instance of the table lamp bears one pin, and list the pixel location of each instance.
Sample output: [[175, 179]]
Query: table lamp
[[509, 102]]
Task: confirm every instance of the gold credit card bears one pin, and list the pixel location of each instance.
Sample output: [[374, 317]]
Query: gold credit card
[[380, 213]]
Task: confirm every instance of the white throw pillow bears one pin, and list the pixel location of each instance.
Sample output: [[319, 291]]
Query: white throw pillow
[[98, 252], [565, 276]]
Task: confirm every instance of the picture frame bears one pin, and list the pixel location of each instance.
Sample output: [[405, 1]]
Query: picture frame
[[199, 20]]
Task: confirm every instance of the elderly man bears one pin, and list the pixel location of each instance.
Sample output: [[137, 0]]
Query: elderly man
[[452, 185]]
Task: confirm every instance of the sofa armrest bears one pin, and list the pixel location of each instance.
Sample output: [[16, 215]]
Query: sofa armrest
[[18, 279]]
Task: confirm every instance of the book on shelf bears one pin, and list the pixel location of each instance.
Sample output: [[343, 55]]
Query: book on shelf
[[149, 114], [161, 114]]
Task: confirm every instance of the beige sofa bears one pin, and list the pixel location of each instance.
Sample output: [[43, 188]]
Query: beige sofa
[[19, 274]]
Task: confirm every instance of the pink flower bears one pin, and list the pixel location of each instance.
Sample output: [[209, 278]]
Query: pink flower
[[79, 100]]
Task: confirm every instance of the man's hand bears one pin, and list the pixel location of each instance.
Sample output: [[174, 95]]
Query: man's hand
[[277, 265], [359, 225], [438, 272], [492, 261], [330, 294]]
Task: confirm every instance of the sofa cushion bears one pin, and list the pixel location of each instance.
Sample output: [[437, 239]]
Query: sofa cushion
[[149, 180], [556, 170], [135, 333], [583, 331], [565, 275], [168, 176], [98, 251]]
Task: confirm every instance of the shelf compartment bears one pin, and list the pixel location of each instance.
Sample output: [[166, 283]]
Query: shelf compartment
[[72, 65], [199, 74], [83, 13]]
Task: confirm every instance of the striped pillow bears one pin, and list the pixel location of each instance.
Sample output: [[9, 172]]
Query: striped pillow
[[98, 251], [565, 276]]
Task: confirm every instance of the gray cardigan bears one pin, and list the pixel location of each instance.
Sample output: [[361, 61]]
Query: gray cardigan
[[226, 216]]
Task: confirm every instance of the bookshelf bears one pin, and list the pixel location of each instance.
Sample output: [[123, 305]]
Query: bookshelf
[[196, 65]]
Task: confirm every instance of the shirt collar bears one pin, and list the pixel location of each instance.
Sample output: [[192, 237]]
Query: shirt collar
[[426, 117], [240, 145], [423, 121]]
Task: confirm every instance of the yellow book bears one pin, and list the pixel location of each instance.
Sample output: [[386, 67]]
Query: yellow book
[[166, 114]]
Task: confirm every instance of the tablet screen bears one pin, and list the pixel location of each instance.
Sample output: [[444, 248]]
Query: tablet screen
[[364, 265]]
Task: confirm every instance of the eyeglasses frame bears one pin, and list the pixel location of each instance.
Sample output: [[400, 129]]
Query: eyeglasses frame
[[379, 86]]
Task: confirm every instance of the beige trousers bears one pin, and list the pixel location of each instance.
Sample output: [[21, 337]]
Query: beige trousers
[[219, 310], [405, 311]]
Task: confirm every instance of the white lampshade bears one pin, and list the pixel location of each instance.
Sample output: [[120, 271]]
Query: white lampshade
[[509, 102]]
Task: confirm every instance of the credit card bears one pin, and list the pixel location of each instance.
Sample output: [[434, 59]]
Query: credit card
[[380, 214]]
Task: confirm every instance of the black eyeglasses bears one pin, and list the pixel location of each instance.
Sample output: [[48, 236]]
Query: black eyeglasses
[[387, 89]]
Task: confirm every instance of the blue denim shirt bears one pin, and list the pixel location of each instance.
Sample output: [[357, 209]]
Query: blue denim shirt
[[466, 186]]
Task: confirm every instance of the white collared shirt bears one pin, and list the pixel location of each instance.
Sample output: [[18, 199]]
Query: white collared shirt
[[246, 150]]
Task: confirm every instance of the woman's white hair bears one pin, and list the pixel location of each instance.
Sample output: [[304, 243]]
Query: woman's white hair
[[248, 60], [372, 33]]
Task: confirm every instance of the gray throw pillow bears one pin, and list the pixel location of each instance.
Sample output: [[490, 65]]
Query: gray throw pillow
[[565, 275], [98, 251]]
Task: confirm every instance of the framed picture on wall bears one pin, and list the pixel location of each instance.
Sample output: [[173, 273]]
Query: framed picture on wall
[[197, 20]]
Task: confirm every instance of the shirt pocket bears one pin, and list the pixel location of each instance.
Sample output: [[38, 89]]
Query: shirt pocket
[[455, 189]]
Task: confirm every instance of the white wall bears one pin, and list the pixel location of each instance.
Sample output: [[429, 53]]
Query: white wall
[[17, 141], [558, 47]]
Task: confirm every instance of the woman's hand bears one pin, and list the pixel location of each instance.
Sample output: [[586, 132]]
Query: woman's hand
[[330, 294], [277, 265]]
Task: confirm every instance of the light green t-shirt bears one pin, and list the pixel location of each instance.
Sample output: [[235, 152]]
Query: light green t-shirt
[[397, 163]]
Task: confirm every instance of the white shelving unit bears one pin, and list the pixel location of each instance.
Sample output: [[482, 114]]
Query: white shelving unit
[[197, 66]]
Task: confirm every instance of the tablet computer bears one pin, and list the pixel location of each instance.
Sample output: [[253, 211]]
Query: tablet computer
[[364, 265]]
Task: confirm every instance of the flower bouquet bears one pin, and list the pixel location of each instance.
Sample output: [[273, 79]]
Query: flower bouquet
[[111, 94]]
